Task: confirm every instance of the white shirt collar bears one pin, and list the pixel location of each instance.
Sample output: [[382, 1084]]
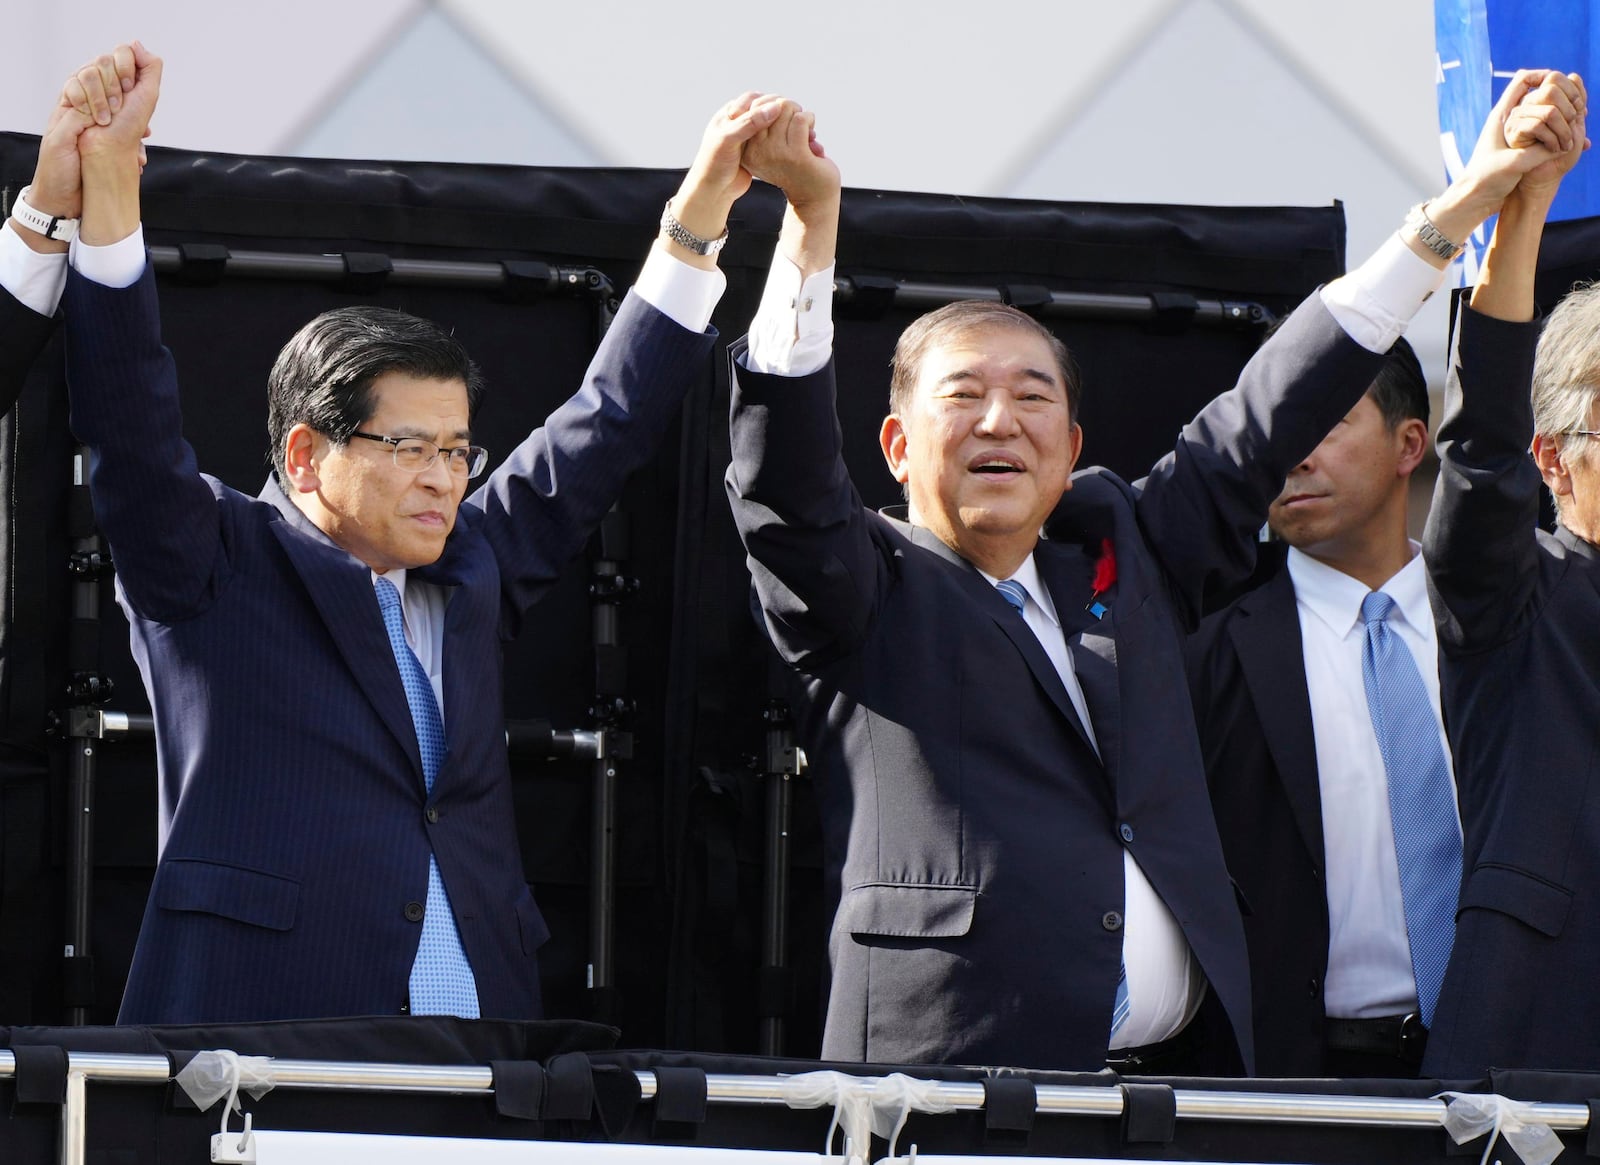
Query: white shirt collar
[[1335, 597]]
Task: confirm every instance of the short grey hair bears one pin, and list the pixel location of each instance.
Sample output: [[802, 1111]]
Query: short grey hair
[[1566, 371]]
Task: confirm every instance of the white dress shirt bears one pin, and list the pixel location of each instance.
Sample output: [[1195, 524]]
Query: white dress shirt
[[1369, 957]]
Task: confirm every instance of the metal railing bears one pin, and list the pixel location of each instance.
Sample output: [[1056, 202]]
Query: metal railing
[[1071, 1100]]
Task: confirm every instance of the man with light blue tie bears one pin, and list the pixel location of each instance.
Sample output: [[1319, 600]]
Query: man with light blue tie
[[1019, 846], [323, 661], [1316, 696]]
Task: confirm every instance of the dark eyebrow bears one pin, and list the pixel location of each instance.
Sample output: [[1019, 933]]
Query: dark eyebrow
[[423, 435]]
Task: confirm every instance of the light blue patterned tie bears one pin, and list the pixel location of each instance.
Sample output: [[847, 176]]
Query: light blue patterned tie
[[1427, 837], [441, 976], [1017, 595]]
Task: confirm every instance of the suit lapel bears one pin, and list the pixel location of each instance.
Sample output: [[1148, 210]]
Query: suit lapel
[[341, 590], [1267, 639], [982, 594]]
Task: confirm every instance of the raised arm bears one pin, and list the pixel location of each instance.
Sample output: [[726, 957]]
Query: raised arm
[[815, 568], [1481, 542], [44, 216], [542, 504], [157, 512], [1204, 503]]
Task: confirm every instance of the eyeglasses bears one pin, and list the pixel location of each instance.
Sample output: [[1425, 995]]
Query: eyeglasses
[[413, 454], [1581, 432]]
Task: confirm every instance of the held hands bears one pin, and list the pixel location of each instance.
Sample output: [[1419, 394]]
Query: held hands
[[1539, 141], [118, 130], [1550, 112], [717, 178], [92, 95], [788, 155], [112, 155]]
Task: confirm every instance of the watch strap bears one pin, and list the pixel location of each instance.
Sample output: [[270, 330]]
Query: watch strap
[[1430, 236], [686, 238], [50, 226]]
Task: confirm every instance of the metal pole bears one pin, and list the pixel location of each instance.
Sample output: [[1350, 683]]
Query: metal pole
[[784, 762], [87, 688], [75, 1119]]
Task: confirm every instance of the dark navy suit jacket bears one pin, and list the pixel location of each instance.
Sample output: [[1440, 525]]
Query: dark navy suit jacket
[[973, 840], [295, 823], [1253, 711], [25, 332], [1518, 612]]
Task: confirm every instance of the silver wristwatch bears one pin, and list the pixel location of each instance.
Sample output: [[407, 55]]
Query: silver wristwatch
[[681, 234], [50, 226], [1430, 236]]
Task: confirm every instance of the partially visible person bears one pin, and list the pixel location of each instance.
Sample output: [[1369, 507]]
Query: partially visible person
[[1519, 634], [44, 217], [1349, 893], [1019, 846], [323, 661]]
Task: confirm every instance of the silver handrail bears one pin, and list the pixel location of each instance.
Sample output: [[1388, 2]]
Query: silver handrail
[[722, 1088]]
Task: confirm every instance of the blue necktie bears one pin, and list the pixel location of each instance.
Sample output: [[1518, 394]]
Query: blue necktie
[[1017, 595], [1427, 836], [441, 976]]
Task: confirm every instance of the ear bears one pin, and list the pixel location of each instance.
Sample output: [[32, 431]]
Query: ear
[[892, 439], [1411, 440], [1075, 444], [1547, 456], [302, 453]]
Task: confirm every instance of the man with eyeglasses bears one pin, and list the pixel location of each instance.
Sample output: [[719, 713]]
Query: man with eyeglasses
[[323, 661], [1518, 612]]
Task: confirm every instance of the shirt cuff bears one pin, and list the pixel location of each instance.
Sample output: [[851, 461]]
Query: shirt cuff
[[792, 333], [1375, 302], [34, 280], [116, 264], [685, 295]]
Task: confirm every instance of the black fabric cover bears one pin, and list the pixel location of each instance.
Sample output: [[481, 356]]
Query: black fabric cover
[[1010, 1104], [1149, 1114], [698, 677]]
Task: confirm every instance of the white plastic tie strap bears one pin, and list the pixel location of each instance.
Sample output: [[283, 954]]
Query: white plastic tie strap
[[1468, 1116], [863, 1106], [212, 1075]]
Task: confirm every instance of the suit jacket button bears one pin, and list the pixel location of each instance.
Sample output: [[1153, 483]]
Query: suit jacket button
[[1313, 985], [1126, 831], [413, 912], [1111, 920], [432, 815]]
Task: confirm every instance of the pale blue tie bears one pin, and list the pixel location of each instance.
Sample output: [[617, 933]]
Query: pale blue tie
[[441, 976], [1017, 595], [1427, 836]]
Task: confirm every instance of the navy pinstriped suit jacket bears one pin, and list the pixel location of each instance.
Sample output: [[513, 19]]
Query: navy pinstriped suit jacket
[[295, 825]]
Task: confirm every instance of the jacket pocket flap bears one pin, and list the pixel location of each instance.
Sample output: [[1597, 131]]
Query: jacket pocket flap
[[899, 910], [1542, 905], [531, 924], [251, 896]]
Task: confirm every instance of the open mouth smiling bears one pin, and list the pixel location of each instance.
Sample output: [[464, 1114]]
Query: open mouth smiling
[[996, 465]]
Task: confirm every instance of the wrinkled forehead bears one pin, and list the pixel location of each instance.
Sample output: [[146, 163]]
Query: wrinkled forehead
[[995, 344]]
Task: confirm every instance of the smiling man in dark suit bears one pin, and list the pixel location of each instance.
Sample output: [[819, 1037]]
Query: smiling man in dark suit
[[1295, 767], [323, 661], [1017, 834]]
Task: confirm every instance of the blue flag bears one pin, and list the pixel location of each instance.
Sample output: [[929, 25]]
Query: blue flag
[[1481, 44]]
